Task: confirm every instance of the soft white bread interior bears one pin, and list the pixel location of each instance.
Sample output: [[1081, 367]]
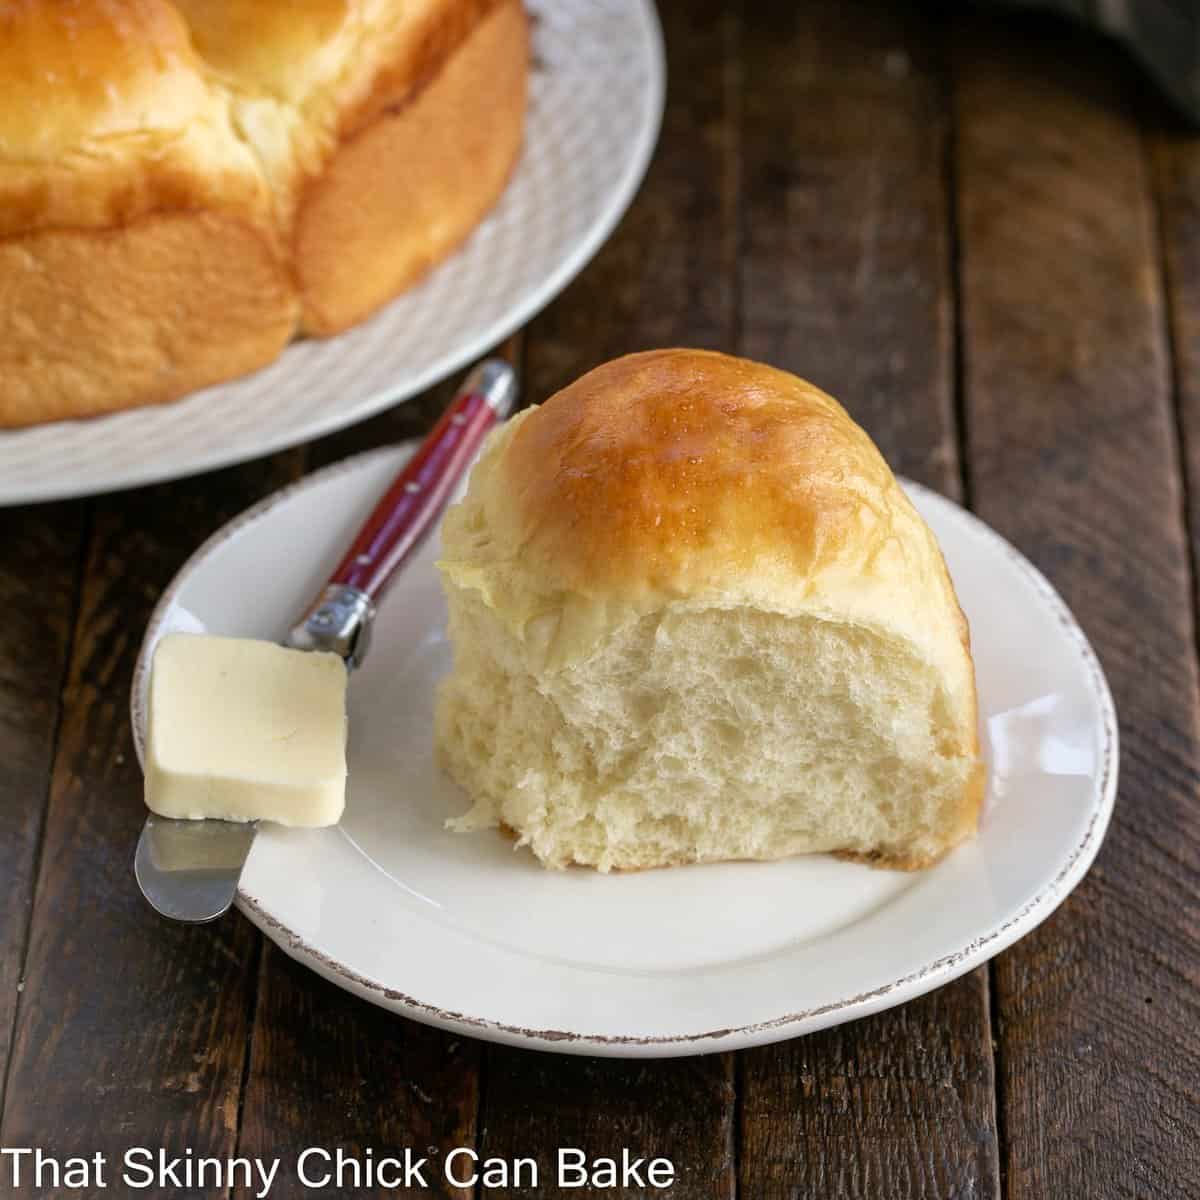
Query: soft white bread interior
[[695, 618]]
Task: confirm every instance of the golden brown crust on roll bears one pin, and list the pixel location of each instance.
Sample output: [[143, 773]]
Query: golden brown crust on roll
[[195, 298], [682, 472], [680, 465], [441, 158], [696, 618], [305, 164], [106, 114]]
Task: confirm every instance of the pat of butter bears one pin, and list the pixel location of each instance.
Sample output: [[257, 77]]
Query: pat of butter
[[243, 730]]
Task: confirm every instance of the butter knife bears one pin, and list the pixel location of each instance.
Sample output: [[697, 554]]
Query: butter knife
[[189, 870]]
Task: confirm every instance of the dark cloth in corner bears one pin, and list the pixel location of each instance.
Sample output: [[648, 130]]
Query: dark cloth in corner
[[1163, 35]]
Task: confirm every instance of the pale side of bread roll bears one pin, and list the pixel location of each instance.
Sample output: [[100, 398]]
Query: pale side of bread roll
[[185, 185], [695, 618]]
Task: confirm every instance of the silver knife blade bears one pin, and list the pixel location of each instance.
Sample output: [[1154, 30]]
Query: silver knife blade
[[189, 870]]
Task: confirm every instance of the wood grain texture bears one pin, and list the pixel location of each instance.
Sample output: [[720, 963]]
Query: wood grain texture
[[38, 581], [681, 1109], [846, 280], [667, 277], [130, 1030], [1176, 179], [899, 1105], [1074, 458], [332, 1071], [845, 269]]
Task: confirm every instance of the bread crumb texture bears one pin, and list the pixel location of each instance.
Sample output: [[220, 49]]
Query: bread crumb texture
[[695, 618]]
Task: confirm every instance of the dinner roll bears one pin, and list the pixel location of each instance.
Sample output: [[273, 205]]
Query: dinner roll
[[186, 185], [695, 618]]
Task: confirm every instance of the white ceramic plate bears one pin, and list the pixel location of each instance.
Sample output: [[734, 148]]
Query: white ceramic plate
[[595, 107], [464, 932]]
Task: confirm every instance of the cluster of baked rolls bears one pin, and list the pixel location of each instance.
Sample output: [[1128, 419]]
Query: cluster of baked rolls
[[187, 185]]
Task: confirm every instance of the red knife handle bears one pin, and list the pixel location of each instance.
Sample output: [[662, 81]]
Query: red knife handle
[[409, 508], [339, 620]]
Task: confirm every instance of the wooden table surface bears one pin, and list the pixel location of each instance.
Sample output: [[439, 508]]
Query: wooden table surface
[[983, 235]]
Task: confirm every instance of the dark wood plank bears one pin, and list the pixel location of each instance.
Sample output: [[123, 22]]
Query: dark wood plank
[[679, 1109], [130, 1031], [845, 274], [666, 277], [1073, 456], [39, 560], [899, 1104], [846, 280], [331, 1071], [1176, 163]]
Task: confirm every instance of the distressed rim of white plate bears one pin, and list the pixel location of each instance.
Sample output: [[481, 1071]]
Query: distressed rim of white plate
[[584, 250], [909, 986]]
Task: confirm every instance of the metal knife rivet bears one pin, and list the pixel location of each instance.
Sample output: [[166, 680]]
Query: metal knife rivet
[[412, 487], [458, 419], [363, 559]]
